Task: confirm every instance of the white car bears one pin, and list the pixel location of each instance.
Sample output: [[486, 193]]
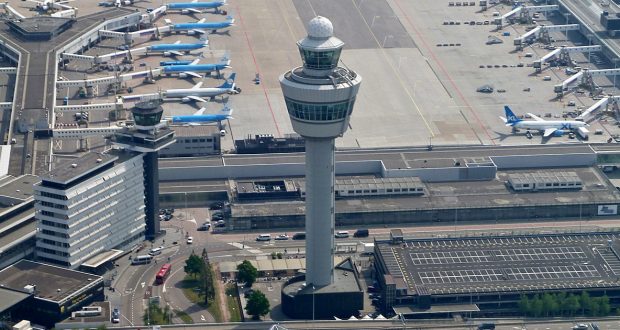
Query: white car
[[190, 240], [282, 237], [342, 234]]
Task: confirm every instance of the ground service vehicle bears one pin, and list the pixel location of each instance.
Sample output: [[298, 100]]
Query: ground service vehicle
[[263, 237], [139, 260], [163, 274]]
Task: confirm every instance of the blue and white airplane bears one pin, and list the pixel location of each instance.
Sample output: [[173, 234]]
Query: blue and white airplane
[[198, 117], [201, 27], [547, 127], [195, 7], [192, 69], [181, 62], [197, 94], [175, 48]]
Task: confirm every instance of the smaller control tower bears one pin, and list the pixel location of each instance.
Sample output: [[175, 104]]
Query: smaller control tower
[[319, 98], [148, 136]]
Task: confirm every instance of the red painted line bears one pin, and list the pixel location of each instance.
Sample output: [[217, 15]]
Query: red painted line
[[443, 70], [247, 39]]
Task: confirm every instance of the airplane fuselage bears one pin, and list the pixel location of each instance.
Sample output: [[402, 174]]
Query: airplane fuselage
[[196, 5], [543, 125], [198, 26], [195, 68], [173, 47], [199, 119]]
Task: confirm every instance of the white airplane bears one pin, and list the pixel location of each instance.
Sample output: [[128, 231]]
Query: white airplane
[[197, 94], [117, 3], [47, 5], [548, 127]]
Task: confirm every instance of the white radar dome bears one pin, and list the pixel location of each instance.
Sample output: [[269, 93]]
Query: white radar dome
[[320, 27]]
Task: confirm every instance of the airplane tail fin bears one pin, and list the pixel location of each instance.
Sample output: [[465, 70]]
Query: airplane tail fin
[[230, 82], [230, 19], [205, 41], [227, 111], [511, 118]]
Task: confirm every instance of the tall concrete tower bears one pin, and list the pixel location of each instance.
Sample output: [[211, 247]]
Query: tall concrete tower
[[148, 136], [319, 97]]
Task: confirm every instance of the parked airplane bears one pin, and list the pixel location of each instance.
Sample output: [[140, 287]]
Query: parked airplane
[[195, 6], [182, 62], [201, 26], [198, 117], [47, 5], [196, 93], [192, 69], [547, 127], [175, 48]]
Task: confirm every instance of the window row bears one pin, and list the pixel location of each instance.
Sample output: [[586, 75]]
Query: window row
[[321, 111], [320, 60]]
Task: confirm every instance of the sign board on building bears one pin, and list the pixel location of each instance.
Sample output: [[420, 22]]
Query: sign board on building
[[607, 209]]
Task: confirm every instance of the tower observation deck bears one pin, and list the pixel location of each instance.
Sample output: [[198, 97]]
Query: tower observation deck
[[319, 97]]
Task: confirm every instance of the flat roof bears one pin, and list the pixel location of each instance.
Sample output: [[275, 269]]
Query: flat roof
[[444, 266], [52, 283], [452, 308], [17, 236], [18, 188], [41, 23], [11, 298], [195, 130], [462, 194], [101, 258], [344, 281], [73, 169]]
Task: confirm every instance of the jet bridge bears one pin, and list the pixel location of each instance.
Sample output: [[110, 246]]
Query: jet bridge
[[11, 11], [82, 133], [523, 11], [542, 33], [150, 18], [563, 54], [148, 76], [8, 70], [604, 102], [585, 77]]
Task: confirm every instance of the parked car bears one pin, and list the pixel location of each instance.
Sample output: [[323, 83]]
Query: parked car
[[342, 234], [361, 233], [282, 237], [299, 236], [116, 316], [216, 206], [190, 240], [205, 226]]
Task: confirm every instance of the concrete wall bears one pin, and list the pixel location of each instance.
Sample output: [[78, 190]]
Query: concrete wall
[[542, 161], [443, 174]]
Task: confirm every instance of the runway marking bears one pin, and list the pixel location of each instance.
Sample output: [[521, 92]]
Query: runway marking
[[458, 91], [202, 317], [396, 72], [247, 39]]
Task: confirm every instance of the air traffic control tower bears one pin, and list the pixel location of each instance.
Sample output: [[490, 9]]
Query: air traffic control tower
[[148, 136], [319, 97]]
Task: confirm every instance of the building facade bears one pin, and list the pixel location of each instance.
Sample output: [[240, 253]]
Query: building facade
[[193, 141], [90, 205]]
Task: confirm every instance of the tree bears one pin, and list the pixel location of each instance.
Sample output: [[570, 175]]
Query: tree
[[547, 301], [572, 302], [193, 265], [585, 301], [257, 305], [247, 273], [537, 306], [604, 307], [525, 305]]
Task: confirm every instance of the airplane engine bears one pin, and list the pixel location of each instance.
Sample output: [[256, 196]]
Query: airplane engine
[[167, 53], [185, 12], [185, 99], [191, 33], [183, 75], [127, 2], [558, 133]]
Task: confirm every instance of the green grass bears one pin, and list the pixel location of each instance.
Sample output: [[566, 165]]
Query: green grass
[[189, 285], [231, 304], [183, 316]]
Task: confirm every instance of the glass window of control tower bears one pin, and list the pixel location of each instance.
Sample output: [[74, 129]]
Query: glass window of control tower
[[319, 111], [147, 120], [323, 60]]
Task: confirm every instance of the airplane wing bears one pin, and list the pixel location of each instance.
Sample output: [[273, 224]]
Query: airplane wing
[[200, 111], [197, 85], [199, 31], [174, 52], [177, 42], [194, 1], [202, 20], [194, 62], [196, 98], [535, 117], [194, 10], [192, 74], [549, 131]]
